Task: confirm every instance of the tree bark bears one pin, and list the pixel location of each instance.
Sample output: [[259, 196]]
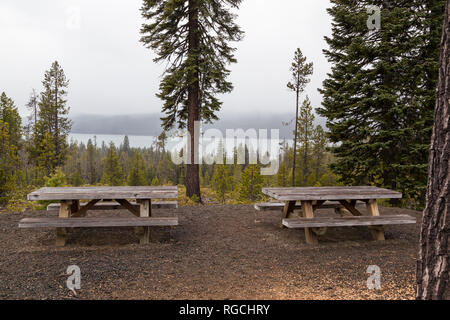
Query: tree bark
[[432, 272], [295, 136], [192, 170]]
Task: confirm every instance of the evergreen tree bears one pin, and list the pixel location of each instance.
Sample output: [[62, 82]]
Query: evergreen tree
[[379, 97], [9, 163], [90, 163], [251, 183], [155, 182], [125, 163], [56, 179], [32, 106], [221, 181], [11, 174], [285, 158], [193, 36], [433, 268], [319, 151], [161, 142], [305, 133], [53, 117], [301, 70], [43, 155], [137, 173], [112, 174], [125, 147], [76, 180], [10, 115], [283, 175]]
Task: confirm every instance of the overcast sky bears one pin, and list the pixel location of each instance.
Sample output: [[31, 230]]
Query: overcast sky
[[111, 72]]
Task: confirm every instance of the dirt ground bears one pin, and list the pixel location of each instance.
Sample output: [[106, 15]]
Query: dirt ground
[[217, 252]]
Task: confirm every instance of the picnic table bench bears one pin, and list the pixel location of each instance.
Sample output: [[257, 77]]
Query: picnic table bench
[[73, 214], [110, 205], [312, 198], [277, 206]]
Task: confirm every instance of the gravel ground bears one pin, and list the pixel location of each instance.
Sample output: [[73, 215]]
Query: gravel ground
[[217, 252]]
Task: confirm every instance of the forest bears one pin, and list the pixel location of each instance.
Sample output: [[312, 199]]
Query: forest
[[378, 102]]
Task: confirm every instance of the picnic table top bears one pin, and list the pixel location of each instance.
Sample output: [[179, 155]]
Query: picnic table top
[[92, 193], [331, 193]]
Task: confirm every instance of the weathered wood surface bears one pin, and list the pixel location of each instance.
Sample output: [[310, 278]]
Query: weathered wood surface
[[84, 209], [65, 211], [97, 222], [274, 206], [88, 193], [308, 213], [350, 206], [331, 193], [319, 222], [115, 205], [145, 211], [372, 209], [127, 205]]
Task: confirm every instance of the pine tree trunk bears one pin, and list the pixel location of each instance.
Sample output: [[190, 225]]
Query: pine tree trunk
[[305, 156], [295, 138], [192, 170], [55, 137], [433, 265]]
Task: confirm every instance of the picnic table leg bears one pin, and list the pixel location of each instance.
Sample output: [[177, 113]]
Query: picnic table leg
[[372, 209], [61, 233], [75, 206], [288, 209], [308, 212], [145, 212]]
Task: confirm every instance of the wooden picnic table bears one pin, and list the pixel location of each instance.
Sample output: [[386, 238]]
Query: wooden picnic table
[[313, 198], [70, 207]]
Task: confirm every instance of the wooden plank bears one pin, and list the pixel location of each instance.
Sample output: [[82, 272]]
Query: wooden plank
[[288, 209], [372, 209], [276, 206], [145, 212], [331, 193], [64, 213], [83, 210], [115, 206], [318, 222], [350, 207], [164, 204], [97, 222], [124, 203], [88, 193], [308, 213]]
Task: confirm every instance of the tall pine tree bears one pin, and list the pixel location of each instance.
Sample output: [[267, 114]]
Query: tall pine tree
[[91, 171], [251, 183], [53, 122], [9, 163], [301, 70], [112, 173], [192, 36], [10, 115], [221, 181], [305, 134], [379, 97], [433, 265], [136, 177]]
